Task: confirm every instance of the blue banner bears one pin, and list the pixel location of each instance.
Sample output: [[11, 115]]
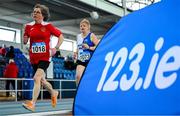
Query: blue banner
[[135, 69]]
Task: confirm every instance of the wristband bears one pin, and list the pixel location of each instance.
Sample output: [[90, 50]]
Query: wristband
[[57, 48]]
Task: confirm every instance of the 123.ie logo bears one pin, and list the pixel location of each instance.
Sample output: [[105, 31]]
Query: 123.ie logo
[[135, 57]]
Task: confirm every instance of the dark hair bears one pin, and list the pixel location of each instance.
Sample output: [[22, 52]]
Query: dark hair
[[11, 48], [44, 11], [10, 54]]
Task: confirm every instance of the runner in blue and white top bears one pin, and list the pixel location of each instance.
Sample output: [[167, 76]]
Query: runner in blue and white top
[[86, 44]]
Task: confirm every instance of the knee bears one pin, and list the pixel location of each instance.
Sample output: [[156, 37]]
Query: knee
[[37, 79], [43, 82], [78, 76]]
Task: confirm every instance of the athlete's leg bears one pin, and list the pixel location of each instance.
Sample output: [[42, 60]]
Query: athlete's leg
[[37, 84], [30, 105], [49, 88], [79, 72]]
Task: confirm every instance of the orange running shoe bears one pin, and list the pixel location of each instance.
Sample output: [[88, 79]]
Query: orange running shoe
[[29, 106], [54, 99]]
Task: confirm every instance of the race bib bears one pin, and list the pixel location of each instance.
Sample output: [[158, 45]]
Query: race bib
[[39, 47], [84, 56]]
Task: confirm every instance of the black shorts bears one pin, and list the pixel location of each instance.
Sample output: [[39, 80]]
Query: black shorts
[[81, 63], [42, 65]]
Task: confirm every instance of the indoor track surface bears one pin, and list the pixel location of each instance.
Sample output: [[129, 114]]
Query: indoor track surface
[[43, 108]]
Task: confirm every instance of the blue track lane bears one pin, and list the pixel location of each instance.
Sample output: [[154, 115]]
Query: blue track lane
[[42, 107]]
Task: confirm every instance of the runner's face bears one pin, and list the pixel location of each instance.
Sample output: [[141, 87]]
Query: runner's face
[[84, 28], [37, 15]]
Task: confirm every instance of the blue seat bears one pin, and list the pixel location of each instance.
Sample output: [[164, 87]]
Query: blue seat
[[17, 50], [26, 74], [21, 74], [27, 85]]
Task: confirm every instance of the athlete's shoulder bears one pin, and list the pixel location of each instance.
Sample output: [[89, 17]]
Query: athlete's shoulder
[[92, 34], [79, 39], [46, 23], [79, 36], [30, 24]]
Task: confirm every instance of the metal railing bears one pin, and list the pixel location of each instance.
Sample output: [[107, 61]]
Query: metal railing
[[16, 90]]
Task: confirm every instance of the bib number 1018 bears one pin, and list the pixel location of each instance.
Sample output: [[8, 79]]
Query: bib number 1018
[[156, 69]]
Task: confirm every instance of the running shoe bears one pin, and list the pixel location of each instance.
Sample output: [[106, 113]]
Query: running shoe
[[54, 99], [29, 106]]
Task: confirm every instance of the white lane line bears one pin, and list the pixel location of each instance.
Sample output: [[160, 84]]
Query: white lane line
[[44, 113]]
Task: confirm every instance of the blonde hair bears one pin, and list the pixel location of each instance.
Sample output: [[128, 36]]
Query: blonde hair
[[86, 21]]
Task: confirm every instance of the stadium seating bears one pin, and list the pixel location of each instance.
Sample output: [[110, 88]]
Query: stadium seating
[[26, 70], [59, 70]]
